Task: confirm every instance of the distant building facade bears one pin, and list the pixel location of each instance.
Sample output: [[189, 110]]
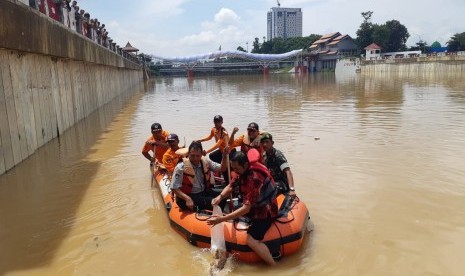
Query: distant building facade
[[325, 52], [284, 23], [373, 52]]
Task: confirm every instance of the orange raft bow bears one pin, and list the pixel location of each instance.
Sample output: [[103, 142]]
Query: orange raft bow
[[285, 234]]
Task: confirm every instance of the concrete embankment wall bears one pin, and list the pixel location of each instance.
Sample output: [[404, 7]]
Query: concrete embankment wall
[[50, 78], [441, 64]]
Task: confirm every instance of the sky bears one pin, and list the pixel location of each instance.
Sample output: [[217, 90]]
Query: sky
[[171, 28]]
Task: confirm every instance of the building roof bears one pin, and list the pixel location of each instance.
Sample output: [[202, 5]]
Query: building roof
[[326, 38], [340, 37], [330, 35], [372, 46], [333, 43], [129, 48]]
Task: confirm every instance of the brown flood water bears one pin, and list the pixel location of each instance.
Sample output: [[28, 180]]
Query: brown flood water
[[379, 161]]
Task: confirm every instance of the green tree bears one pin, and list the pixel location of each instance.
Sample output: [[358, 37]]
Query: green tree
[[279, 46], [380, 36], [267, 47], [241, 49], [256, 46], [456, 42], [155, 69], [295, 43], [283, 45], [422, 46], [398, 35], [365, 31], [391, 36]]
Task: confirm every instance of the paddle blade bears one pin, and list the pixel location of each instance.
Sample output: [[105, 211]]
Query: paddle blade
[[217, 232]]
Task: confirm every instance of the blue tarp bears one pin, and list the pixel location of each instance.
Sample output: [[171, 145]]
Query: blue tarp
[[437, 50]]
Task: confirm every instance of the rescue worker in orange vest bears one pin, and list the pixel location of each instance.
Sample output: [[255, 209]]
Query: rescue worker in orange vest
[[221, 137], [191, 181], [170, 158], [156, 143], [249, 140]]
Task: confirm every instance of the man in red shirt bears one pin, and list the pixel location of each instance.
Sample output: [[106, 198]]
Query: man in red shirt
[[258, 204]]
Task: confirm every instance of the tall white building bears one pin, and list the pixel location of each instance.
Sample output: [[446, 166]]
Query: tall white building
[[284, 22]]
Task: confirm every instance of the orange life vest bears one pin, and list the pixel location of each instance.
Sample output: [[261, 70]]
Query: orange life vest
[[247, 144], [188, 177]]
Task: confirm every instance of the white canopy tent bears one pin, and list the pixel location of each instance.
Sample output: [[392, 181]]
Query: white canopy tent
[[233, 54]]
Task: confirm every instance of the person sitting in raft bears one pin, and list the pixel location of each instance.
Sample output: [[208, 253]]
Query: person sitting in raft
[[247, 141], [258, 192], [156, 143], [171, 158], [275, 161], [221, 138], [191, 179]]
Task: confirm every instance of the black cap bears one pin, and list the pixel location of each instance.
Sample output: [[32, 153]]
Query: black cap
[[172, 137], [156, 127], [265, 136], [218, 118], [253, 126]]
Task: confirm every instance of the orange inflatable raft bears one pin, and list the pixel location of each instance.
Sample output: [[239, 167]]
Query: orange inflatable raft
[[285, 235]]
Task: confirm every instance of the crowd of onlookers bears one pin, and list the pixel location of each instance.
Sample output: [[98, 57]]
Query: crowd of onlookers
[[73, 17]]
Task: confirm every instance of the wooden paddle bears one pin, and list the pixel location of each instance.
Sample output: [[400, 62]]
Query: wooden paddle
[[231, 205], [152, 168]]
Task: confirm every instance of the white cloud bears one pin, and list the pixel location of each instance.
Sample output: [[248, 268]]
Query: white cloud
[[201, 38], [226, 17], [226, 29], [163, 9], [299, 3]]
